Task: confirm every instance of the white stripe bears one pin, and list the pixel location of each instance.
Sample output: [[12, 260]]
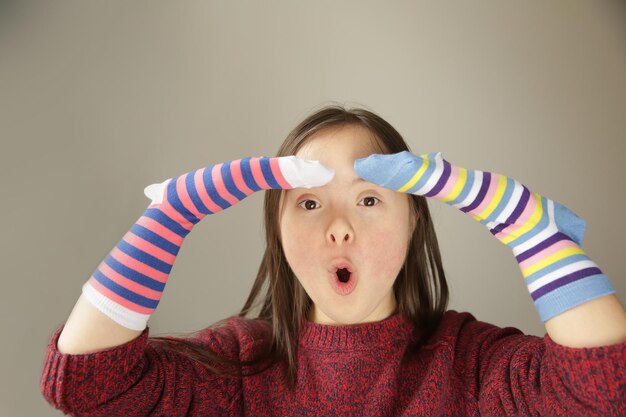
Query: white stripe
[[119, 314], [478, 179], [433, 179], [534, 241], [548, 231], [561, 272], [513, 201]]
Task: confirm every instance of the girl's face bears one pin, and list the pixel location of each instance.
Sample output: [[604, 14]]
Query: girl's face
[[348, 223]]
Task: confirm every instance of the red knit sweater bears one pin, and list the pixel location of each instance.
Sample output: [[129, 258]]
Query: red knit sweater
[[468, 368]]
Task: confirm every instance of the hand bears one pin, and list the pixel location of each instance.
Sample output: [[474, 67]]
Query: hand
[[543, 234], [217, 187], [128, 284]]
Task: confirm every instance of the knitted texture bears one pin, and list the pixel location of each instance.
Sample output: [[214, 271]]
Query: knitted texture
[[467, 368]]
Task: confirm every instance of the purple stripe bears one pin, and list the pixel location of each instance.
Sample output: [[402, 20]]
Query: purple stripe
[[557, 237], [442, 181], [481, 194], [521, 205], [574, 276]]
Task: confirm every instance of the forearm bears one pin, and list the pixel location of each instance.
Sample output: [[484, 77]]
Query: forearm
[[599, 322], [88, 330]]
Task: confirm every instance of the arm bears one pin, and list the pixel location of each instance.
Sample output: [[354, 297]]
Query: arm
[[138, 379], [127, 286], [599, 322], [512, 374], [99, 361], [574, 298], [582, 376], [89, 330]]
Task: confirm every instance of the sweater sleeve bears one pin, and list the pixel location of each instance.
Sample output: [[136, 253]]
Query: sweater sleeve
[[513, 374], [133, 379]]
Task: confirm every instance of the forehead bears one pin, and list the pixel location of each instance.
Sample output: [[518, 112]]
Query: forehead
[[341, 144]]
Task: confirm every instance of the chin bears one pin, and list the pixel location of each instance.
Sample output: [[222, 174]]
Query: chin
[[344, 318]]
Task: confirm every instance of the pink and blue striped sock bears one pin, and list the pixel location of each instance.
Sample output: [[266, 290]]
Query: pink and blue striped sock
[[128, 284], [543, 234]]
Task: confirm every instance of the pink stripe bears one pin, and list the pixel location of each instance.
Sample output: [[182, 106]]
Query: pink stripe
[[491, 191], [138, 266], [175, 215], [218, 183], [257, 173], [183, 195], [119, 300], [148, 247], [278, 175], [562, 244], [521, 221], [128, 283], [202, 192], [160, 230], [452, 180], [235, 169]]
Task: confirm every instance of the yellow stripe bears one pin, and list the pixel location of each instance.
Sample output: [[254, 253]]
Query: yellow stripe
[[415, 178], [555, 257], [497, 198], [530, 223], [458, 186]]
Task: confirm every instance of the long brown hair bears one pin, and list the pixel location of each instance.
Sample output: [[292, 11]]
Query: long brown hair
[[420, 289]]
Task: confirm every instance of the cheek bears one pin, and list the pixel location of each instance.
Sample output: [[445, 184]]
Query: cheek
[[298, 247], [386, 260]]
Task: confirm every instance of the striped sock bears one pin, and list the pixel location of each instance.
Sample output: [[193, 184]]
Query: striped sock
[[128, 284], [543, 234]]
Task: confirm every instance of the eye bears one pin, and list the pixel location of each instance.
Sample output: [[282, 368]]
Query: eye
[[370, 201], [308, 204]]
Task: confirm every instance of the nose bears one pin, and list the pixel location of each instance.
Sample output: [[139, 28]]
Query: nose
[[340, 232]]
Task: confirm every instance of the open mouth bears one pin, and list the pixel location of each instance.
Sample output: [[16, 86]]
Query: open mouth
[[343, 274]]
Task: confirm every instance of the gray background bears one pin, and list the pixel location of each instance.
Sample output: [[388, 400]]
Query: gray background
[[100, 99]]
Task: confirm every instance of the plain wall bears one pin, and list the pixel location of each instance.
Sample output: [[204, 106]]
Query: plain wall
[[100, 99]]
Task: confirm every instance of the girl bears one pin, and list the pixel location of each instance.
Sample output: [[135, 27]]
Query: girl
[[352, 297]]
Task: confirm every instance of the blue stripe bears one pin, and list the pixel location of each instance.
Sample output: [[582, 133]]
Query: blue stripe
[[266, 168], [572, 295], [174, 200], [482, 192], [556, 265], [124, 292], [193, 193], [155, 239], [538, 228], [229, 182], [425, 177], [133, 275], [508, 192], [517, 212], [159, 216], [246, 172], [469, 182], [144, 257], [210, 189]]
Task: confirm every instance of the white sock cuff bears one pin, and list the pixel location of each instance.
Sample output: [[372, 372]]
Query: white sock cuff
[[119, 314]]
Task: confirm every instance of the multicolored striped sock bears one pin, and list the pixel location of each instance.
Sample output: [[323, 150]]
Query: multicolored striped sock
[[543, 234], [128, 284]]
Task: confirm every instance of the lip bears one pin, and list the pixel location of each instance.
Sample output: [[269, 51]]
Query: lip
[[342, 288], [340, 263]]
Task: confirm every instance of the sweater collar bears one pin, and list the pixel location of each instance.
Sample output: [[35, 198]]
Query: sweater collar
[[374, 335]]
